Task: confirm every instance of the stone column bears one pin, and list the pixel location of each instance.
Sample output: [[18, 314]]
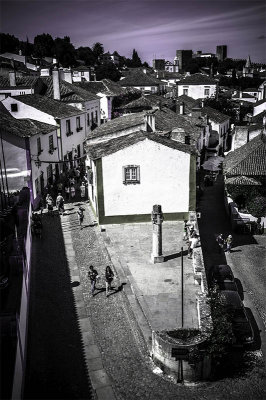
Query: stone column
[[157, 219]]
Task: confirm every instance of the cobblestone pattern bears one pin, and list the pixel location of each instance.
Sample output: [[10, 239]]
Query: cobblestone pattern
[[123, 349]]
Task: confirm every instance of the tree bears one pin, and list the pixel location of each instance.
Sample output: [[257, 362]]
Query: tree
[[43, 45], [65, 51], [8, 43], [145, 64], [136, 61], [108, 71], [97, 50], [257, 206], [86, 54]]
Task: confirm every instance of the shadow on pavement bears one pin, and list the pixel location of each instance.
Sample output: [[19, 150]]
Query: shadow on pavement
[[54, 337], [239, 288], [257, 339]]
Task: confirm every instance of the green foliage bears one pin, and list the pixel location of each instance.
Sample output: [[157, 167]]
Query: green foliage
[[257, 206], [108, 71], [185, 334], [224, 106]]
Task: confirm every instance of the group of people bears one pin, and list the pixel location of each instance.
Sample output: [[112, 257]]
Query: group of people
[[94, 278], [225, 244], [190, 236]]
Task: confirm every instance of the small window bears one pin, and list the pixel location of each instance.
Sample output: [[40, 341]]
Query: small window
[[92, 118], [88, 119], [37, 188], [51, 143], [78, 150], [78, 123], [185, 91], [131, 174], [82, 73], [206, 92], [14, 107], [39, 146], [96, 117], [68, 127]]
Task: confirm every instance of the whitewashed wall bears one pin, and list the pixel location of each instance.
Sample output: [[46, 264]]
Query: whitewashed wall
[[197, 91], [164, 179]]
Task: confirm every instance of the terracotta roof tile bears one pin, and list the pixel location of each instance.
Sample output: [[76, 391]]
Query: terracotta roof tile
[[197, 79]]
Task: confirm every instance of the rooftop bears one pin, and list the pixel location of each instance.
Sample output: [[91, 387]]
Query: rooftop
[[249, 159], [21, 82], [197, 79], [22, 127], [69, 93], [139, 78], [118, 124], [106, 86], [214, 114], [50, 106], [111, 146]]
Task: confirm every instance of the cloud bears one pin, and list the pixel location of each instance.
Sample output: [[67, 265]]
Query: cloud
[[261, 37]]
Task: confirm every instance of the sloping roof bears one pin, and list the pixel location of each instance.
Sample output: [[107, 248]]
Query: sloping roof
[[244, 95], [188, 101], [21, 81], [69, 93], [106, 86], [167, 120], [214, 114], [81, 68], [118, 124], [197, 79], [139, 78], [242, 180], [111, 146], [249, 159], [23, 127], [50, 106], [141, 102], [250, 90]]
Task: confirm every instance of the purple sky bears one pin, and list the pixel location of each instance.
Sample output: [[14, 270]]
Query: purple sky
[[155, 28]]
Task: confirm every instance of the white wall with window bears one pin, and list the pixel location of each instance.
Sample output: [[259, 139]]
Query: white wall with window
[[138, 176], [197, 91]]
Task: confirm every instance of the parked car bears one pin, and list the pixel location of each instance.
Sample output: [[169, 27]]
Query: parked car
[[222, 277], [242, 328]]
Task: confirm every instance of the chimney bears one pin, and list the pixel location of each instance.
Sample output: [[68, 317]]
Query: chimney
[[12, 78], [144, 70], [202, 103], [56, 84], [68, 75], [240, 94], [182, 108], [150, 122], [264, 122]]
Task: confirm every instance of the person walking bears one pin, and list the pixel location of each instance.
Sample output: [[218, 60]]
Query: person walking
[[72, 191], [185, 234], [193, 242], [82, 190], [50, 204], [80, 213], [221, 242], [60, 203], [67, 191], [229, 242], [93, 275], [109, 276]]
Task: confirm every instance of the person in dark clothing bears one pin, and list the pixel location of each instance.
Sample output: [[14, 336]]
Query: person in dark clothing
[[109, 276], [93, 275], [221, 242]]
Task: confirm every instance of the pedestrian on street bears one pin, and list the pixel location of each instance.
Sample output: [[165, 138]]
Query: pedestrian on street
[[60, 203], [50, 204], [72, 191], [229, 242], [80, 213], [185, 234], [221, 242], [193, 242], [67, 191], [93, 275], [109, 276]]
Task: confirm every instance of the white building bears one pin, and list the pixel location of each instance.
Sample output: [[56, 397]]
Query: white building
[[197, 86], [15, 86], [69, 122], [33, 153], [82, 73], [131, 173]]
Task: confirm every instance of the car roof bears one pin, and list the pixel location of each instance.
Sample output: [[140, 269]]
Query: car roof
[[232, 299], [222, 272]]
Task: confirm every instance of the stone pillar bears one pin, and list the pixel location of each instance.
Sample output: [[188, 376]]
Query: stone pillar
[[157, 219]]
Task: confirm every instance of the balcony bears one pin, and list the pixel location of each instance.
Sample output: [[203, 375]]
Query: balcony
[[69, 133], [80, 129]]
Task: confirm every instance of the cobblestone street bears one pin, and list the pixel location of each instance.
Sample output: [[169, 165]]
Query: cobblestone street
[[115, 351]]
